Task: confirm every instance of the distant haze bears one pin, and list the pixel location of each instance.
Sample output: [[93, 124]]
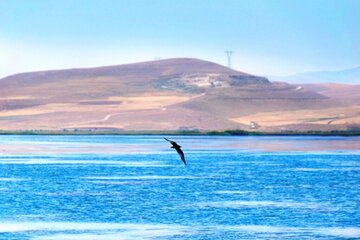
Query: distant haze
[[349, 76], [273, 37]]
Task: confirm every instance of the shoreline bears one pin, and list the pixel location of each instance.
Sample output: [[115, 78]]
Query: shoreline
[[188, 133]]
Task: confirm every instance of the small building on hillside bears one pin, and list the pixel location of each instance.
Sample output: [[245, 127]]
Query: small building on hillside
[[254, 125]]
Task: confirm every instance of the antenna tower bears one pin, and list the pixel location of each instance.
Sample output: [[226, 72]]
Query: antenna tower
[[229, 54]]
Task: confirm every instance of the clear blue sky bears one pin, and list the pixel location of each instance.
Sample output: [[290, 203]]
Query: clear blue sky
[[276, 37]]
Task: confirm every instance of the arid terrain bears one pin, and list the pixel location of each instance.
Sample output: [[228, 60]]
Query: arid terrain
[[171, 94]]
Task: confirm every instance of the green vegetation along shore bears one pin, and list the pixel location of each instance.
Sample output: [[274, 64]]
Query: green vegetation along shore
[[352, 132]]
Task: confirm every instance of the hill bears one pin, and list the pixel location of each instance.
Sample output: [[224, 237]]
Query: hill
[[170, 94], [349, 93]]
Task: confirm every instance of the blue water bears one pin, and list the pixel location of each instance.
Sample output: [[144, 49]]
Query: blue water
[[135, 187]]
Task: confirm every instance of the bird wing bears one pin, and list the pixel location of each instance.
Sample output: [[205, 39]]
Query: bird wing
[[172, 142], [181, 154]]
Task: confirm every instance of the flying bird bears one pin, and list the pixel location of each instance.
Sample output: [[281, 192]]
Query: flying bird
[[178, 149]]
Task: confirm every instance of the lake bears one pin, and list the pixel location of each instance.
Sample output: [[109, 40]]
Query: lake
[[136, 187]]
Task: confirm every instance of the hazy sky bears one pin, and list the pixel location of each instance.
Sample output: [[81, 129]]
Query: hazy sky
[[268, 37]]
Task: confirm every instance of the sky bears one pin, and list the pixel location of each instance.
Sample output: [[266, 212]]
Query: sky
[[267, 37]]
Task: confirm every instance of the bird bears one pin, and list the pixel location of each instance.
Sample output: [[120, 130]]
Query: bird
[[178, 149]]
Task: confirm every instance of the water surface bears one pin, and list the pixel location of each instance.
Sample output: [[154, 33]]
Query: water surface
[[135, 187]]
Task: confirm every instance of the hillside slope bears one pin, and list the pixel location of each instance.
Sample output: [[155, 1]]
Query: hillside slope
[[168, 94], [349, 93]]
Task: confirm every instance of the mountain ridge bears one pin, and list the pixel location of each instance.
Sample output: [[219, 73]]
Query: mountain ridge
[[349, 76], [106, 69]]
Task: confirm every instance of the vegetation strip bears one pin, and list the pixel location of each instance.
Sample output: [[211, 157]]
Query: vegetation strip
[[353, 132]]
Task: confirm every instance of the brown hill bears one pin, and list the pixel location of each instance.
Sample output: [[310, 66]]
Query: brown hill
[[168, 94], [349, 93], [174, 74]]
